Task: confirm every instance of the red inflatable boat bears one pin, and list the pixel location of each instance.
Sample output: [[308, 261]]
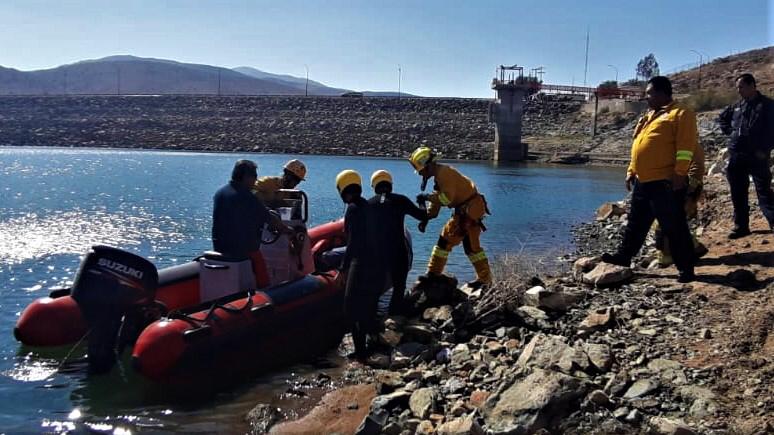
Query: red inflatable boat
[[202, 315]]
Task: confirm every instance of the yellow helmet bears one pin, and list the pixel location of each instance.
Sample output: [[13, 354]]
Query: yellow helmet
[[347, 178], [297, 168], [421, 157], [379, 176]]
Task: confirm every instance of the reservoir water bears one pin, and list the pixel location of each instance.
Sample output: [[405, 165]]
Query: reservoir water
[[55, 203]]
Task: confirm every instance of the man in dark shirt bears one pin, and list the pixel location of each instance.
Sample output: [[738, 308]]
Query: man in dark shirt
[[750, 123], [364, 262], [391, 210], [238, 218]]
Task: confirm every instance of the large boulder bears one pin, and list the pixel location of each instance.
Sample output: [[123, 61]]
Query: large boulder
[[538, 401], [666, 426], [607, 275], [543, 351], [540, 297]]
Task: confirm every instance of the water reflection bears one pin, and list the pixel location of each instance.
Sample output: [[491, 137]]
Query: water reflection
[[32, 237]]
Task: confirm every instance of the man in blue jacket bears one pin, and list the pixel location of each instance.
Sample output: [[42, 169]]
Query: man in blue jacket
[[750, 123]]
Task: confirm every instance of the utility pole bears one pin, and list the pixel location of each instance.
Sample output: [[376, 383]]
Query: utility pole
[[586, 68], [700, 59], [399, 74], [218, 82], [616, 73], [306, 88], [118, 80]]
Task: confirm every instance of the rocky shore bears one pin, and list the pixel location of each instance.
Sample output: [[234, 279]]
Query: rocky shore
[[386, 127], [600, 349]]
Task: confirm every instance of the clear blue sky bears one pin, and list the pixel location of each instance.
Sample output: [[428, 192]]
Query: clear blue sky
[[444, 47]]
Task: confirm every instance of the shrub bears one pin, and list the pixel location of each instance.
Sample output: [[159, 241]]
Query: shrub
[[703, 101]]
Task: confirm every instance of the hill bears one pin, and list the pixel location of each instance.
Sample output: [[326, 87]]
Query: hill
[[129, 75], [721, 72], [315, 88]]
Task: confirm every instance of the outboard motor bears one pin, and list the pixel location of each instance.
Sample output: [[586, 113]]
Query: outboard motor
[[113, 286]]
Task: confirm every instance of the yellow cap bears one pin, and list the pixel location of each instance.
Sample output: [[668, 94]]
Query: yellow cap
[[379, 176], [347, 178], [420, 157], [297, 168]]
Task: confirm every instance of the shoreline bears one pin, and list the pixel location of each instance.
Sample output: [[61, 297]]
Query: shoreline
[[637, 355]]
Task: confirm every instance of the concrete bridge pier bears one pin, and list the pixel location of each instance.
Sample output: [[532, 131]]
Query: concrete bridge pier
[[506, 113]]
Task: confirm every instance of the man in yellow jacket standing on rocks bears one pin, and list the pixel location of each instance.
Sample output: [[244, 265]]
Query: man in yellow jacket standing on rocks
[[266, 188], [665, 140], [456, 191]]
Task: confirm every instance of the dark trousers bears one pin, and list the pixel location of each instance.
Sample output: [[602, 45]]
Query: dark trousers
[[399, 273], [740, 167], [361, 299], [656, 200]]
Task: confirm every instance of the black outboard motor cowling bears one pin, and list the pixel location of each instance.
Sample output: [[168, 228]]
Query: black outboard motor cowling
[[111, 285]]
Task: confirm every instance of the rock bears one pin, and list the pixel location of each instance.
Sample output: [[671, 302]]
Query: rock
[[538, 401], [607, 275], [391, 380], [599, 355], [583, 265], [373, 423], [390, 338], [659, 365], [419, 332], [422, 402], [478, 398], [703, 400], [641, 388], [633, 417], [411, 349], [597, 320], [262, 418], [379, 361], [438, 315], [573, 359], [464, 425], [532, 312], [386, 402], [425, 427], [705, 334], [621, 413], [599, 398], [460, 354], [608, 210], [666, 426], [539, 297], [542, 351]]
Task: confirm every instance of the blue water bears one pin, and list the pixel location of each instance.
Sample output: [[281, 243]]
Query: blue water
[[55, 203]]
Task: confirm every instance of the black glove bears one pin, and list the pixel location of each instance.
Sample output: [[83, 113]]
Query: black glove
[[422, 226], [422, 198]]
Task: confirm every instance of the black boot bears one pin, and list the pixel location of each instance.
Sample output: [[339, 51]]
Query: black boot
[[617, 259]]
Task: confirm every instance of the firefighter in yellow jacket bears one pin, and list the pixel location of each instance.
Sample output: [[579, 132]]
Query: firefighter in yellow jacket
[[458, 192], [266, 188]]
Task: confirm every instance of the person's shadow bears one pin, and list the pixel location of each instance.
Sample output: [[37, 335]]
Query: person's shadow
[[741, 259]]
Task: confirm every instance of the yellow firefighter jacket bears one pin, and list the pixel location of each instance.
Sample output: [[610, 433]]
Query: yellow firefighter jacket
[[664, 143], [266, 189], [452, 189]]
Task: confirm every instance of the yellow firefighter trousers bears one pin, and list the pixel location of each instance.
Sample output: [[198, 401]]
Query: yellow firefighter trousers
[[464, 226]]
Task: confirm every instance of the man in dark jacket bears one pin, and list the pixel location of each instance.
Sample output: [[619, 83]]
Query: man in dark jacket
[[750, 122], [238, 218], [391, 209], [364, 262]]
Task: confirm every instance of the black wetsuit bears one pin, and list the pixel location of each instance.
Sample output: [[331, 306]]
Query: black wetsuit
[[391, 209], [237, 220], [366, 269]]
